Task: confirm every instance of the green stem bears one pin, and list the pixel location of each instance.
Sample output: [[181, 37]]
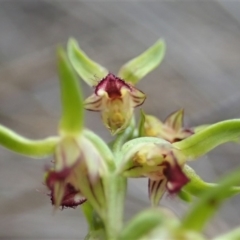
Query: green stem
[[115, 186]]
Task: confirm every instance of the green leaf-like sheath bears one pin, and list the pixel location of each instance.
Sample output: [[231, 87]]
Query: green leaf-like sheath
[[87, 69], [207, 139], [72, 102], [139, 67], [31, 148]]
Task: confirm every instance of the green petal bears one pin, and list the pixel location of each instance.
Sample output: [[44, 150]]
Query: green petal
[[71, 97], [175, 120], [156, 189], [31, 148], [209, 202], [139, 67], [131, 147], [210, 137], [87, 69], [101, 146]]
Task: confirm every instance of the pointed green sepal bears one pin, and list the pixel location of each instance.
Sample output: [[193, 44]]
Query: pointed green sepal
[[87, 69], [208, 138], [102, 147], [71, 97], [209, 202], [28, 147], [139, 67], [130, 148]]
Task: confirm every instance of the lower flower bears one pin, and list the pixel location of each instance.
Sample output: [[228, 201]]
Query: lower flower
[[162, 165], [77, 174]]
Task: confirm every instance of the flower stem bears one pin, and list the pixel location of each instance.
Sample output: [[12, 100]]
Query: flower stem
[[115, 186]]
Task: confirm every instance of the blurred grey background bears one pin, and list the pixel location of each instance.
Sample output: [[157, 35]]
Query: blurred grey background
[[201, 73]]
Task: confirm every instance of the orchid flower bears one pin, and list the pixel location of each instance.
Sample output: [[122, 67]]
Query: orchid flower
[[160, 162], [171, 129], [115, 96], [81, 158]]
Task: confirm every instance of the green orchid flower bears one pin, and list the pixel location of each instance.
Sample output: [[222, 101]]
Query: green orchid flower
[[115, 96]]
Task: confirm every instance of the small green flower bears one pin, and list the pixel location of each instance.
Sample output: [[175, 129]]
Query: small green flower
[[171, 129]]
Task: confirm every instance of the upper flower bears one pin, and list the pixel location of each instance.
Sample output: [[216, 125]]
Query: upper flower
[[115, 96], [116, 100]]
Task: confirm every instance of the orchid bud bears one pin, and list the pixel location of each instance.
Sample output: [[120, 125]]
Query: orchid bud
[[171, 129]]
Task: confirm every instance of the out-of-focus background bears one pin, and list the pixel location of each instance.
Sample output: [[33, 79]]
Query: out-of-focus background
[[200, 73]]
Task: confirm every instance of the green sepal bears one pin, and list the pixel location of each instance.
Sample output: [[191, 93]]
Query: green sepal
[[133, 146], [25, 146], [72, 119], [139, 67], [209, 202], [101, 146], [210, 137], [87, 69], [144, 223]]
